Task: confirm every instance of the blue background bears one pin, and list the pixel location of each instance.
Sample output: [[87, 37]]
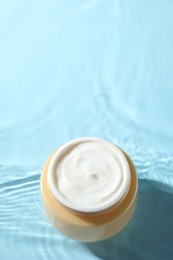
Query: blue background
[[78, 68]]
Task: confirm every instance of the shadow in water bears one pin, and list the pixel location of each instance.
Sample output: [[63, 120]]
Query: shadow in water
[[149, 235]]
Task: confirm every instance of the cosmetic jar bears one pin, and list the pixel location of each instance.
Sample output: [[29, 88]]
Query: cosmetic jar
[[89, 189]]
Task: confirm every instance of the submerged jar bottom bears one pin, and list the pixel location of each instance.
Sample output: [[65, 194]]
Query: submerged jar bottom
[[86, 227]]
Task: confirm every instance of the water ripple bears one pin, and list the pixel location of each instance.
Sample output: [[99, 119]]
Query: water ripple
[[23, 219]]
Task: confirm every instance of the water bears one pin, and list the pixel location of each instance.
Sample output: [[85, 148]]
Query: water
[[85, 68]]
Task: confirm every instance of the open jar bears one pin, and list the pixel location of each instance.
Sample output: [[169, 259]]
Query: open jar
[[89, 189]]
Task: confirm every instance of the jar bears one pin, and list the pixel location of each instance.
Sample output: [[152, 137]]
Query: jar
[[94, 224]]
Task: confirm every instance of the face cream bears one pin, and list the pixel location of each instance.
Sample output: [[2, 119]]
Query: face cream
[[89, 188]]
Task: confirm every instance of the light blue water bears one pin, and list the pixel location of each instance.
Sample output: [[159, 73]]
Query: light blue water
[[77, 68]]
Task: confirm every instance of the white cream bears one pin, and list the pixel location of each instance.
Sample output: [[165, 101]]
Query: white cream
[[89, 174]]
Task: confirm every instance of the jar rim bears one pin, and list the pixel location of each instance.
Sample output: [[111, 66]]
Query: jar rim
[[105, 206]]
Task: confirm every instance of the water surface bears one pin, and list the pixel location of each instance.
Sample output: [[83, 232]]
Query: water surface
[[85, 68]]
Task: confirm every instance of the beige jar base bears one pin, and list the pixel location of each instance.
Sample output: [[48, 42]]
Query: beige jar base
[[89, 228]]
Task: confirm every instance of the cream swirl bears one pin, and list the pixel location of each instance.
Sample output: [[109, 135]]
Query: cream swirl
[[89, 174]]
